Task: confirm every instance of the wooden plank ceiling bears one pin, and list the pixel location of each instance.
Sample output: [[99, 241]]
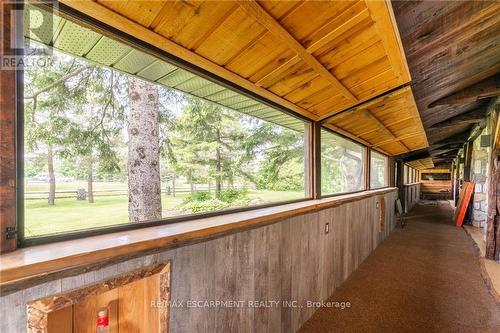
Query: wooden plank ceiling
[[390, 123], [316, 58], [422, 164], [451, 47]]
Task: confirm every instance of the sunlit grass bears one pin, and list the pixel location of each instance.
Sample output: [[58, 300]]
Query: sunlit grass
[[69, 214]]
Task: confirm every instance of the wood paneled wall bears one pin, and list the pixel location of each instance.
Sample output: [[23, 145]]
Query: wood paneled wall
[[290, 260], [8, 104], [411, 196]]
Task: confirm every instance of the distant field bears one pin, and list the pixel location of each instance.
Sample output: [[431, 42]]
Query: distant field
[[70, 214]]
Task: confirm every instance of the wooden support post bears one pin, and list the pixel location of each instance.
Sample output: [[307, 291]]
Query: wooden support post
[[452, 178], [469, 145], [313, 163], [493, 216], [390, 172], [468, 160], [400, 182], [457, 180], [367, 168], [8, 169]]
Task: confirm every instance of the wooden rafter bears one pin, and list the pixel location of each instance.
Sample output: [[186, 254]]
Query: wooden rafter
[[396, 107], [471, 117], [403, 137], [421, 164], [445, 152], [459, 138], [266, 20], [388, 125], [484, 89], [382, 127]]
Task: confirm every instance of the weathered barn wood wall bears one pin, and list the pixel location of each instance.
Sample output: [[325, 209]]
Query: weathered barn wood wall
[[8, 123], [412, 195], [291, 260]]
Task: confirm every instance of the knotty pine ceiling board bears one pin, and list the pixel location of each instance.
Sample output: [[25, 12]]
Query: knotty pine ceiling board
[[316, 58], [422, 164], [96, 48], [390, 123]]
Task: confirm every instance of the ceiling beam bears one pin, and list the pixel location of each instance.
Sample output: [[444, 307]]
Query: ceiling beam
[[266, 20], [471, 117], [457, 138], [437, 152], [414, 155], [484, 89], [450, 153], [448, 146]]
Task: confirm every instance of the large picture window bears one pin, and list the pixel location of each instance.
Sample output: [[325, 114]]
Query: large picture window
[[378, 170], [342, 164], [116, 136]]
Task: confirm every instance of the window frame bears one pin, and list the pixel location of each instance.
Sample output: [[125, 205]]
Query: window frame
[[365, 171], [89, 22], [387, 171], [312, 139]]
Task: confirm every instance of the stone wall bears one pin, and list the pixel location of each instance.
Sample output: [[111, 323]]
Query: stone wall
[[480, 156]]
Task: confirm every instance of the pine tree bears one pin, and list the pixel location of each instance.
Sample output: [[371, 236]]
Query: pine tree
[[48, 99], [207, 143], [143, 152]]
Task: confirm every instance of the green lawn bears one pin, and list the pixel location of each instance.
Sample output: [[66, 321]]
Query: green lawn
[[70, 214]]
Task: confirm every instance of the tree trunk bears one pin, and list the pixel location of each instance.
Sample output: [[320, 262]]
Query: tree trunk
[[190, 180], [144, 183], [52, 178], [173, 184], [218, 166], [218, 170], [90, 179]]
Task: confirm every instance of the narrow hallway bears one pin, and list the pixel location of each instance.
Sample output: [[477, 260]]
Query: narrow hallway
[[423, 278]]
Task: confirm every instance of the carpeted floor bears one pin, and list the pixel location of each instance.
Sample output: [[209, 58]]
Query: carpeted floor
[[423, 278]]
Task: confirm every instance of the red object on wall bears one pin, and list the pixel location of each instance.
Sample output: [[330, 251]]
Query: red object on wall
[[463, 202]]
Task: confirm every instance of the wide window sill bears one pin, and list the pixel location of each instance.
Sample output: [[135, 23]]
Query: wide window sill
[[411, 184], [42, 260]]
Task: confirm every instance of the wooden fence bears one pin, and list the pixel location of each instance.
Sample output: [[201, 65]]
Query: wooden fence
[[37, 195]]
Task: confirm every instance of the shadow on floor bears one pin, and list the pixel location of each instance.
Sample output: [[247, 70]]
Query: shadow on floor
[[423, 278]]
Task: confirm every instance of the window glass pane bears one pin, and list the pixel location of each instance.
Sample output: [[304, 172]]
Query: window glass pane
[[436, 176], [342, 164], [378, 170], [103, 147]]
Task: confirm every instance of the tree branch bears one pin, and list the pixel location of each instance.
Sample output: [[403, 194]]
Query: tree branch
[[61, 80]]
